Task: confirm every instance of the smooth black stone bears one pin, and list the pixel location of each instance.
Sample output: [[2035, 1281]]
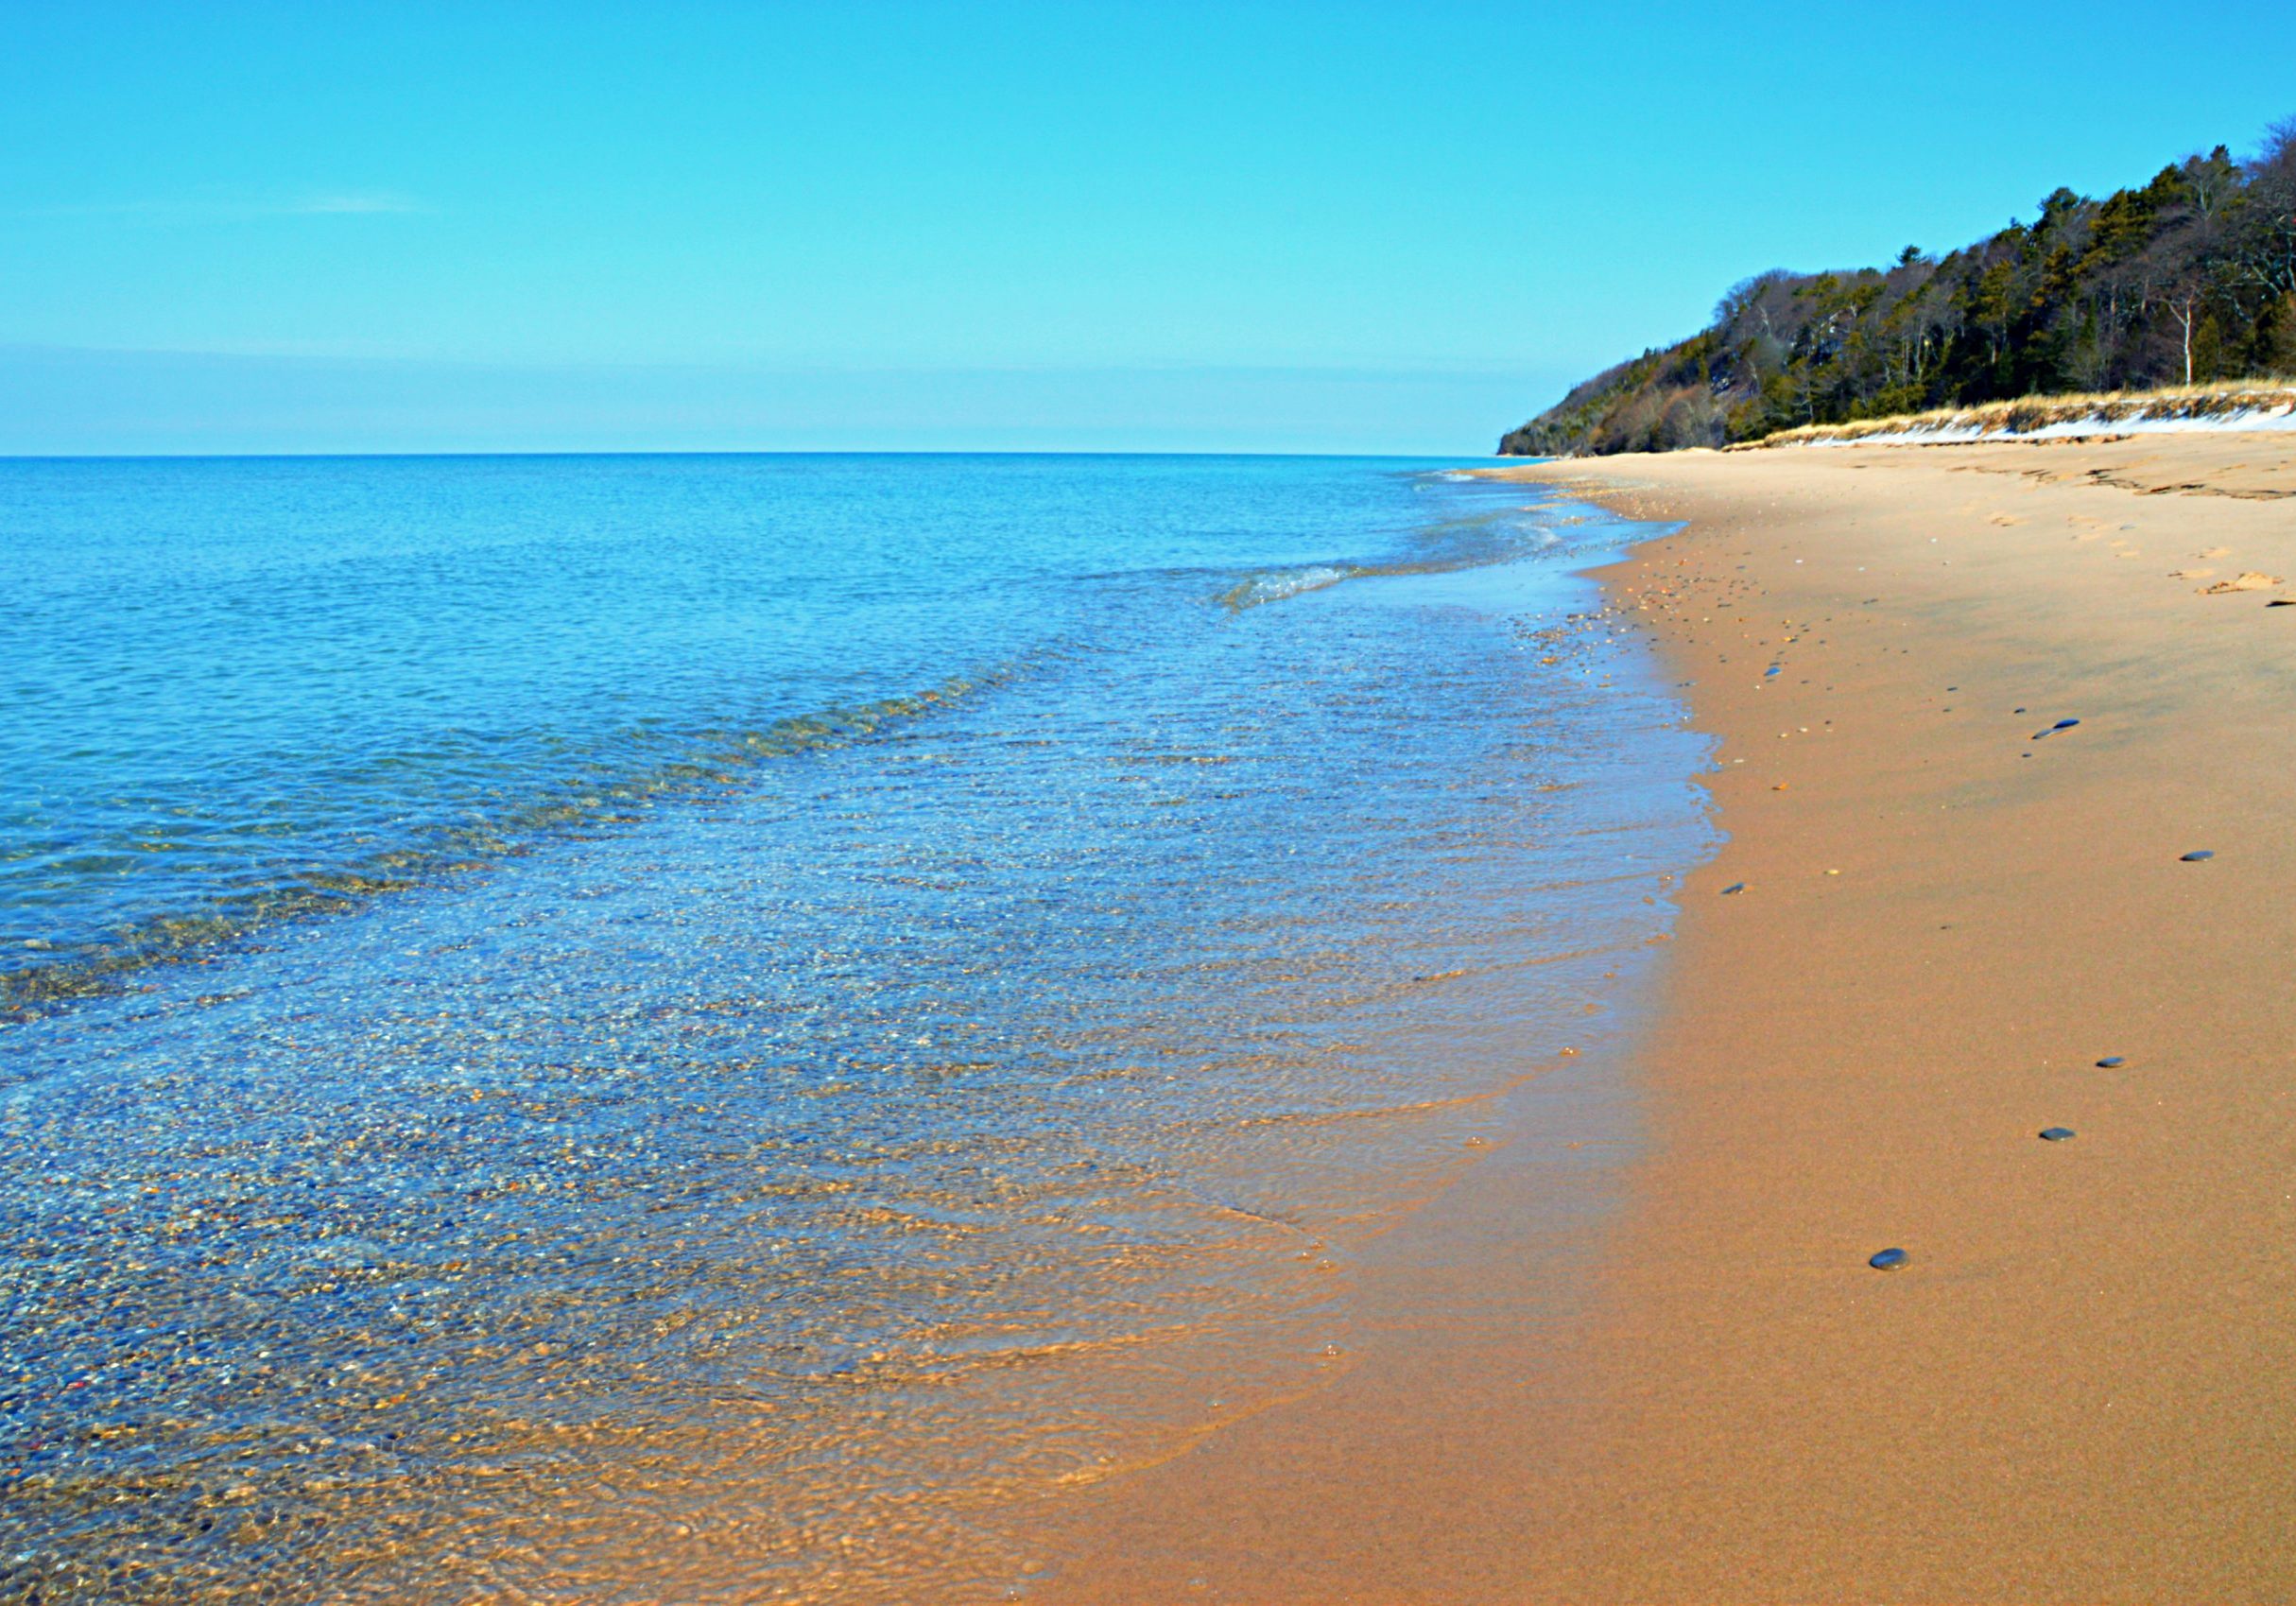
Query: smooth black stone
[[2017, 711], [1888, 1260], [2110, 1061], [2198, 854], [2055, 1134], [1734, 887], [2065, 724]]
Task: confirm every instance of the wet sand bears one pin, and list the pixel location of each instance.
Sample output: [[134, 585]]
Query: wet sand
[[2082, 1386]]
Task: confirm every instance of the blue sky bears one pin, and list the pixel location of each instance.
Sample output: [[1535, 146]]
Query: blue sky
[[1251, 227]]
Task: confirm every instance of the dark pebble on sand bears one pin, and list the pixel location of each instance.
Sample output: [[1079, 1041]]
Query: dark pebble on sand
[[2110, 1061], [1888, 1260], [1734, 887], [2065, 724], [2055, 1134], [2198, 854]]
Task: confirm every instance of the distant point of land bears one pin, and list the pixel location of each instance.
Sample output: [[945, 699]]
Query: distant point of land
[[2186, 281]]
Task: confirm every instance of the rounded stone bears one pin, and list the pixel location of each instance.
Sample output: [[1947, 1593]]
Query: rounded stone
[[2111, 1059], [2199, 854], [2055, 1134], [1888, 1260]]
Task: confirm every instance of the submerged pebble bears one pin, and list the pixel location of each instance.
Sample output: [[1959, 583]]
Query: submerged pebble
[[1888, 1260], [2055, 1134]]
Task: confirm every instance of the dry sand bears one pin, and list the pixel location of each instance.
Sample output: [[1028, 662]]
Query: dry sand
[[2083, 1385]]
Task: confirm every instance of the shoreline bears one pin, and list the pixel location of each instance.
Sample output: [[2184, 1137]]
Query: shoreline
[[2083, 1387], [757, 1200]]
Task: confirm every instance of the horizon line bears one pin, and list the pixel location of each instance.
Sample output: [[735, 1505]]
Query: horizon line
[[6, 456]]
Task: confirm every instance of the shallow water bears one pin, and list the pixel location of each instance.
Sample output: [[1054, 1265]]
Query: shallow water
[[756, 1138]]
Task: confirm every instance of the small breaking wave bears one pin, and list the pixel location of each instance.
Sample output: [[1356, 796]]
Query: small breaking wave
[[1289, 582], [606, 788], [1500, 537]]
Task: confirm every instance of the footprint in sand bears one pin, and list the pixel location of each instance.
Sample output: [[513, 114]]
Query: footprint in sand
[[2247, 580]]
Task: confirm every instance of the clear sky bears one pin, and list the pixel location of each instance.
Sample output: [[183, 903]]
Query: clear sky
[[1253, 227]]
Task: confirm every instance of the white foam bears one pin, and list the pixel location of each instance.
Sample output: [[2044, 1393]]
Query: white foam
[[1290, 582]]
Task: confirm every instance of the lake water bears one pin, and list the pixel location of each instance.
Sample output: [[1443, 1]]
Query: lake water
[[685, 1029]]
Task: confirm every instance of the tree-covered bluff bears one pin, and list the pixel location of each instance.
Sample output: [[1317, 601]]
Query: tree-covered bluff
[[2189, 278]]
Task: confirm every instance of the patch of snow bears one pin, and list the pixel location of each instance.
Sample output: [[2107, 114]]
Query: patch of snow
[[2281, 416]]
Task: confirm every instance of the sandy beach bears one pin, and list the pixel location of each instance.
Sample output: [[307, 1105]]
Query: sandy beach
[[1940, 925]]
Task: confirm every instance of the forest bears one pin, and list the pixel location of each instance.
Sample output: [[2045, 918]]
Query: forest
[[2187, 278]]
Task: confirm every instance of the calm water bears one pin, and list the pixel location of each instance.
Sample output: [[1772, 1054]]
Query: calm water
[[686, 1027]]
